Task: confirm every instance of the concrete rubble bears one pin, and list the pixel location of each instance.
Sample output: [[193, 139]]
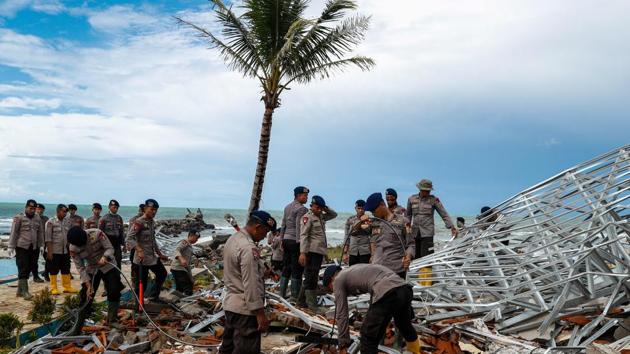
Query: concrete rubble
[[546, 271]]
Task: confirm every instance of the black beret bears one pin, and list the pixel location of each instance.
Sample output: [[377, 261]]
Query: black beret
[[77, 236], [392, 192], [72, 207], [61, 206], [317, 200], [41, 206], [151, 203], [97, 206], [262, 217], [360, 203], [299, 190], [114, 202], [31, 202]]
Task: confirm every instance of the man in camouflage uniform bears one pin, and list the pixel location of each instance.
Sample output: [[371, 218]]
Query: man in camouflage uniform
[[35, 266], [27, 236], [57, 254], [289, 233], [92, 253], [93, 221], [244, 299], [314, 246], [356, 247], [181, 268], [420, 210], [74, 218], [148, 256], [391, 196], [392, 246]]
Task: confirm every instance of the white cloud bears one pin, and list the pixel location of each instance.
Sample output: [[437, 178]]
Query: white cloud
[[118, 18], [9, 8], [29, 103]]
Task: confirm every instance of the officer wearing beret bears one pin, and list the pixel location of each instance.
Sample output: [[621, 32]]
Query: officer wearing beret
[[356, 246], [39, 210], [420, 210], [391, 196], [57, 254], [290, 236], [74, 218], [132, 251], [313, 246], [141, 237], [92, 221], [112, 225], [181, 268], [27, 237], [243, 274]]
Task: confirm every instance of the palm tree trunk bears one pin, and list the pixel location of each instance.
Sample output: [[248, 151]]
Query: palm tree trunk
[[261, 166]]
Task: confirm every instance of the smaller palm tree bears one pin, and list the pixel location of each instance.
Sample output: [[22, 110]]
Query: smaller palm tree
[[273, 42]]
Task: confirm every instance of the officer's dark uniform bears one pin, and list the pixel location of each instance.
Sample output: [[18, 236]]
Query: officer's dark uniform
[[183, 275], [92, 221], [35, 266], [289, 233], [27, 237], [112, 225], [357, 241]]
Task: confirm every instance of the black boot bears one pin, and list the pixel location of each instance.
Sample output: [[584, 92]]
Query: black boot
[[112, 315], [78, 325]]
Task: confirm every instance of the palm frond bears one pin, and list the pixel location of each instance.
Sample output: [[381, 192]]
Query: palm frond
[[326, 70]]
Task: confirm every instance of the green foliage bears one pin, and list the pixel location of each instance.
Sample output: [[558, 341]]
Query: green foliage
[[10, 325], [70, 302], [335, 252], [43, 307]]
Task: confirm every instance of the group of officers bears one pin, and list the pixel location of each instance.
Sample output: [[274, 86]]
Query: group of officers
[[378, 250]]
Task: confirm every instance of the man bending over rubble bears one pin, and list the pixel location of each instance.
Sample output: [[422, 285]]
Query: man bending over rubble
[[243, 274], [390, 297], [182, 264]]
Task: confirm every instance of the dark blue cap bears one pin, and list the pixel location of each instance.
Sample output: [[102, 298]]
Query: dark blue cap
[[373, 201], [152, 203], [41, 206], [392, 192], [264, 218], [61, 206], [72, 207], [114, 202], [32, 203], [329, 273], [97, 206], [299, 190], [317, 200], [360, 203]]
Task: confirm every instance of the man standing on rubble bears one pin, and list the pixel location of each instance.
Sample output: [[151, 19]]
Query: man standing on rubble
[[291, 268], [147, 255], [313, 246], [391, 245], [92, 221], [181, 268], [27, 236], [390, 295], [92, 254], [356, 246], [243, 274]]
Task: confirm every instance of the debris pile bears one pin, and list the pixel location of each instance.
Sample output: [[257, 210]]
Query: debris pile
[[193, 221]]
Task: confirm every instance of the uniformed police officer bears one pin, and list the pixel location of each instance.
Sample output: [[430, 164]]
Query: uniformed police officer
[[314, 246], [291, 243], [57, 254], [39, 210], [391, 196], [243, 274], [274, 239], [356, 246], [147, 255], [92, 221], [132, 251], [74, 218], [392, 246], [181, 268], [92, 253], [112, 225], [390, 297], [27, 236], [420, 210]]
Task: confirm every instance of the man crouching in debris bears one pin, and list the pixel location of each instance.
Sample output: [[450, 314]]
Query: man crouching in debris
[[243, 274], [390, 297], [92, 253], [182, 267]]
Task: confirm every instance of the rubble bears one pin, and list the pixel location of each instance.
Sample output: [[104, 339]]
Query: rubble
[[193, 221]]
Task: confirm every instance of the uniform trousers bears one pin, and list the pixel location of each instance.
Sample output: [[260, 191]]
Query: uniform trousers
[[395, 303], [277, 265], [24, 259], [241, 334], [291, 266], [424, 246], [183, 283], [311, 270], [35, 263], [160, 275], [111, 279], [358, 259], [59, 263]]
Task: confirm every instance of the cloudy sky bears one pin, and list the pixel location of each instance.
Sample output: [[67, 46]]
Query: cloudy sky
[[102, 99]]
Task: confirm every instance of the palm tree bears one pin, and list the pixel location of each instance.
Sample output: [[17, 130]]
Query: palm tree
[[273, 42]]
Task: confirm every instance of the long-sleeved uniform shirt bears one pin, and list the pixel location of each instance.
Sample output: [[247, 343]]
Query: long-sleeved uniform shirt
[[57, 234], [85, 258], [391, 243], [184, 250], [313, 231], [243, 275], [92, 222], [293, 213], [356, 280], [142, 234], [76, 220], [359, 242], [26, 232], [275, 241], [420, 213], [112, 225]]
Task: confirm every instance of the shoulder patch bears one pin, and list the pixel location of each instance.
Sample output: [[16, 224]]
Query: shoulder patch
[[137, 226], [255, 253], [305, 219]]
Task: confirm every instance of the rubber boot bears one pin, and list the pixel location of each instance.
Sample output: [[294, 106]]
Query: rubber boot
[[296, 284], [53, 285], [112, 314], [284, 282], [67, 284], [424, 274], [311, 300], [23, 289], [414, 347]]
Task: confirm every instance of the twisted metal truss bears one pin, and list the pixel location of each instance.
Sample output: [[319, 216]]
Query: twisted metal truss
[[550, 251]]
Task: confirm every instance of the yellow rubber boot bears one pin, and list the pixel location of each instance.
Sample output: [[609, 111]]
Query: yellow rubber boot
[[426, 273], [67, 284], [53, 284], [414, 347]]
